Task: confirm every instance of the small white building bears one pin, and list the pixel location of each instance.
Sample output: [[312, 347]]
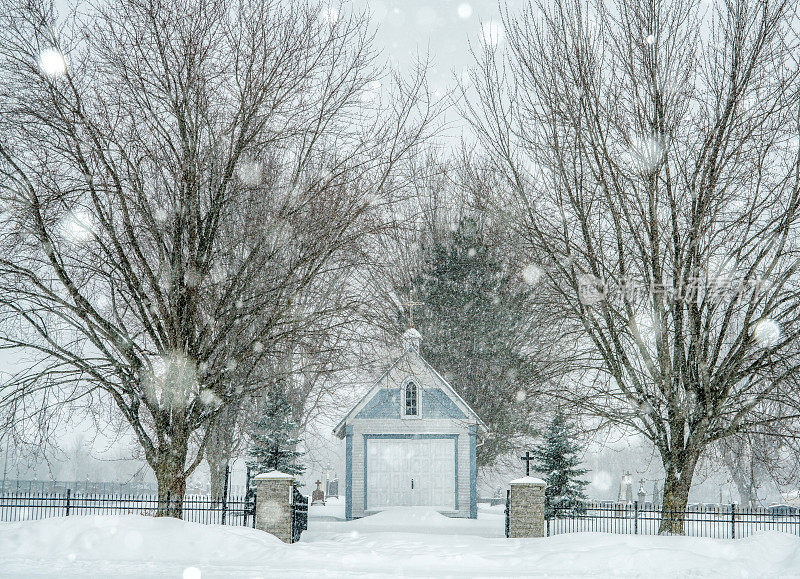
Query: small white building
[[411, 441]]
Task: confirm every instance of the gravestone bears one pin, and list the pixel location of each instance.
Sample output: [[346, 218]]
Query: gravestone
[[333, 488], [626, 488], [318, 496]]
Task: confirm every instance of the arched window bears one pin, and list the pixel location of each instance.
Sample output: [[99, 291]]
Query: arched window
[[411, 400]]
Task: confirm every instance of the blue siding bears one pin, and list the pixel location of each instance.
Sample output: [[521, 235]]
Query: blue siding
[[437, 404], [348, 480], [385, 404], [473, 472], [434, 403]]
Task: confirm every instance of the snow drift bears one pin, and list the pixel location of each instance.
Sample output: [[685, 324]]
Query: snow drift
[[406, 542]]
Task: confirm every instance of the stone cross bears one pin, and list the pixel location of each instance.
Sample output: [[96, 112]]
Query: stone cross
[[527, 458]]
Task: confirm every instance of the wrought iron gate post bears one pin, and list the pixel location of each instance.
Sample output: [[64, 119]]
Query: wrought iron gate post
[[225, 494], [299, 514], [635, 517], [508, 511]]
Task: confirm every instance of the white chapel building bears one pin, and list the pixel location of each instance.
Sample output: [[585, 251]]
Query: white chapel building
[[411, 441]]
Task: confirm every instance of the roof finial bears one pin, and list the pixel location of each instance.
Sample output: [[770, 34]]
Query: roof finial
[[412, 339]]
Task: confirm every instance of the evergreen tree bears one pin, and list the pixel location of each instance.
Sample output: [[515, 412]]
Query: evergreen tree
[[557, 459], [476, 325], [275, 440]]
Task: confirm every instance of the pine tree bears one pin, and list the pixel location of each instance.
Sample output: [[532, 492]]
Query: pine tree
[[557, 458], [275, 440], [476, 324]]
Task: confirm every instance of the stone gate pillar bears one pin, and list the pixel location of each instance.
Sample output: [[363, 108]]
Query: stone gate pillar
[[526, 508], [274, 504]]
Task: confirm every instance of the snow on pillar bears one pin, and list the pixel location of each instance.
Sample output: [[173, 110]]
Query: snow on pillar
[[274, 504], [526, 509]]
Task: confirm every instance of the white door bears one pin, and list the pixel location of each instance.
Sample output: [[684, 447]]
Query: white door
[[411, 472]]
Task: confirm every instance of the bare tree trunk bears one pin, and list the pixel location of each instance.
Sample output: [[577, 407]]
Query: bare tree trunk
[[748, 457], [170, 471], [677, 484], [745, 488], [217, 464], [221, 447]]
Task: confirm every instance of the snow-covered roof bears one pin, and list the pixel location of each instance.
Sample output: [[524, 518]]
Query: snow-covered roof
[[411, 351], [412, 334], [273, 475], [528, 480]]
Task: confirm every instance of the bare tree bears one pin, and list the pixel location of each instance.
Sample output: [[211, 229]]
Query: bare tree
[[747, 460], [308, 380], [176, 177], [652, 150]]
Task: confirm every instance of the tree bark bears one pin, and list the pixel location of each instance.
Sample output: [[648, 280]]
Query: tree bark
[[221, 447], [171, 470], [217, 465], [745, 484], [680, 470], [171, 479]]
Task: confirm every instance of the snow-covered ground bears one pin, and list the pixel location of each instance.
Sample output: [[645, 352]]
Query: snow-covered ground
[[394, 543]]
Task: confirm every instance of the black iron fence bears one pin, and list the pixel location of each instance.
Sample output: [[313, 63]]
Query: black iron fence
[[720, 521], [233, 510]]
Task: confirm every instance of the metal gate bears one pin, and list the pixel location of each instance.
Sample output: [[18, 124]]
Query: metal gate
[[299, 514], [508, 511]]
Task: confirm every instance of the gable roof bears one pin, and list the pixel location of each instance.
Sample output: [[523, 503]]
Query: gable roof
[[339, 430]]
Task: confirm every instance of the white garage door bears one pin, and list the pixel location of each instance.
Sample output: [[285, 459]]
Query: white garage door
[[411, 472]]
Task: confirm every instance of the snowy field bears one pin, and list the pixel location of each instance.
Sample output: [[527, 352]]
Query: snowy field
[[404, 543]]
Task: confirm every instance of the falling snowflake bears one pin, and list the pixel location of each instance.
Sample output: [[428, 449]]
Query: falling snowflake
[[270, 512], [532, 274], [521, 395], [464, 10], [591, 289], [52, 62], [767, 332], [650, 39], [645, 153], [160, 215], [172, 380], [250, 173], [77, 226], [208, 398]]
